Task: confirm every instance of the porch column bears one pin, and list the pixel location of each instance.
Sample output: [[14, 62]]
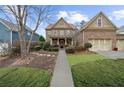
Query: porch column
[[65, 41], [72, 42], [51, 42], [58, 41]]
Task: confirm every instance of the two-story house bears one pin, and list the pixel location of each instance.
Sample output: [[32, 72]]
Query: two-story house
[[61, 33]]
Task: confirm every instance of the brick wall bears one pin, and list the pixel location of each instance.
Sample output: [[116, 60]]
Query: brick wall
[[98, 34]]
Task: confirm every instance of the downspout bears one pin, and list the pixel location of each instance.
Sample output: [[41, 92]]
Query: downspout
[[11, 38], [83, 38]]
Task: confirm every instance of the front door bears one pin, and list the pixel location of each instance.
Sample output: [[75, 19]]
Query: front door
[[62, 43]]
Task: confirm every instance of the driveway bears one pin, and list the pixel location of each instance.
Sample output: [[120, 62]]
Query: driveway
[[112, 54]]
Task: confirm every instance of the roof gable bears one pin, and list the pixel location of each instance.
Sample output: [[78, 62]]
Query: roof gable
[[62, 24], [106, 23], [13, 27]]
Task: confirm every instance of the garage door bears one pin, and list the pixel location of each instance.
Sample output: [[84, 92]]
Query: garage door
[[120, 44], [101, 44]]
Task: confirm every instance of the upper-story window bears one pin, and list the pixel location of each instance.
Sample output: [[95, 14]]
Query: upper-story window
[[68, 32], [49, 32], [61, 32], [99, 22], [55, 32]]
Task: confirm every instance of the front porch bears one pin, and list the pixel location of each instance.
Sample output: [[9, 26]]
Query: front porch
[[61, 42]]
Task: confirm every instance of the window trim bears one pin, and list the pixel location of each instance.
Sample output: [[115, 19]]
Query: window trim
[[101, 22]]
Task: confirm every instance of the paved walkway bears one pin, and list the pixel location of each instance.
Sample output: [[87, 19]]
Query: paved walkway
[[62, 76], [112, 54]]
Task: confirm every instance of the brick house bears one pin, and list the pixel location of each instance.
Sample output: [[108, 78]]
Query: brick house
[[61, 33], [101, 33]]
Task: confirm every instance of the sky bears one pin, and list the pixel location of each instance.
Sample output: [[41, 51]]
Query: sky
[[76, 13]]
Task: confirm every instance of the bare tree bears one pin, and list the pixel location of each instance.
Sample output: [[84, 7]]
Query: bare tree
[[23, 16]]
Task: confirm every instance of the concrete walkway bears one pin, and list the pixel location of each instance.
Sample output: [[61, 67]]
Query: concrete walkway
[[112, 54], [62, 76]]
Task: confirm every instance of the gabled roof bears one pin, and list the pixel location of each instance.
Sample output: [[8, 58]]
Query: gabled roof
[[9, 25], [13, 27], [121, 29], [57, 25], [94, 18]]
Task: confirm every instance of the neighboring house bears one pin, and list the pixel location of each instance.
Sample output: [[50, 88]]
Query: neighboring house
[[9, 33], [120, 38], [61, 33], [101, 33]]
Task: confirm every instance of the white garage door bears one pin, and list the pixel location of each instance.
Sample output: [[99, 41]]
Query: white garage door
[[120, 44], [101, 44]]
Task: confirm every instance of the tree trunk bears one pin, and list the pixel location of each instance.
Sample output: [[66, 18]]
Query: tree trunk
[[23, 46], [29, 43]]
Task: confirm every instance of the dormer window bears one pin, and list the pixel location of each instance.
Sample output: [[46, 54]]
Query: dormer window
[[99, 22]]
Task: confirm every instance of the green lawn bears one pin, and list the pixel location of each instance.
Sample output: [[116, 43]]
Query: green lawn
[[24, 77], [105, 73], [74, 59]]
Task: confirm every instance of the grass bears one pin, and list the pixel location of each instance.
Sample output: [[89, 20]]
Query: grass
[[100, 73], [74, 59], [24, 77]]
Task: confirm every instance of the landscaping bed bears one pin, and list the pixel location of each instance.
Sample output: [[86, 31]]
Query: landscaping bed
[[24, 77], [40, 59], [99, 73]]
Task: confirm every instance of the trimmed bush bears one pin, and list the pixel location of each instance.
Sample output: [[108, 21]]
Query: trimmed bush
[[87, 46], [70, 50]]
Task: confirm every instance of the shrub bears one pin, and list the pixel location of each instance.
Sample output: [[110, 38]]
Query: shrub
[[15, 51], [54, 49], [87, 46], [70, 50], [79, 48], [42, 39], [46, 46], [37, 48]]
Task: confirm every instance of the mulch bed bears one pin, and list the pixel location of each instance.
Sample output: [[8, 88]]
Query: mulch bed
[[40, 59], [5, 61]]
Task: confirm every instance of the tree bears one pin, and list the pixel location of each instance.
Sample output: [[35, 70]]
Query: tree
[[82, 23], [87, 46], [42, 39], [22, 15]]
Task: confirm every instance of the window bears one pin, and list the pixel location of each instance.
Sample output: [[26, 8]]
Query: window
[[48, 32], [55, 32], [99, 22], [28, 33], [61, 32], [68, 32]]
